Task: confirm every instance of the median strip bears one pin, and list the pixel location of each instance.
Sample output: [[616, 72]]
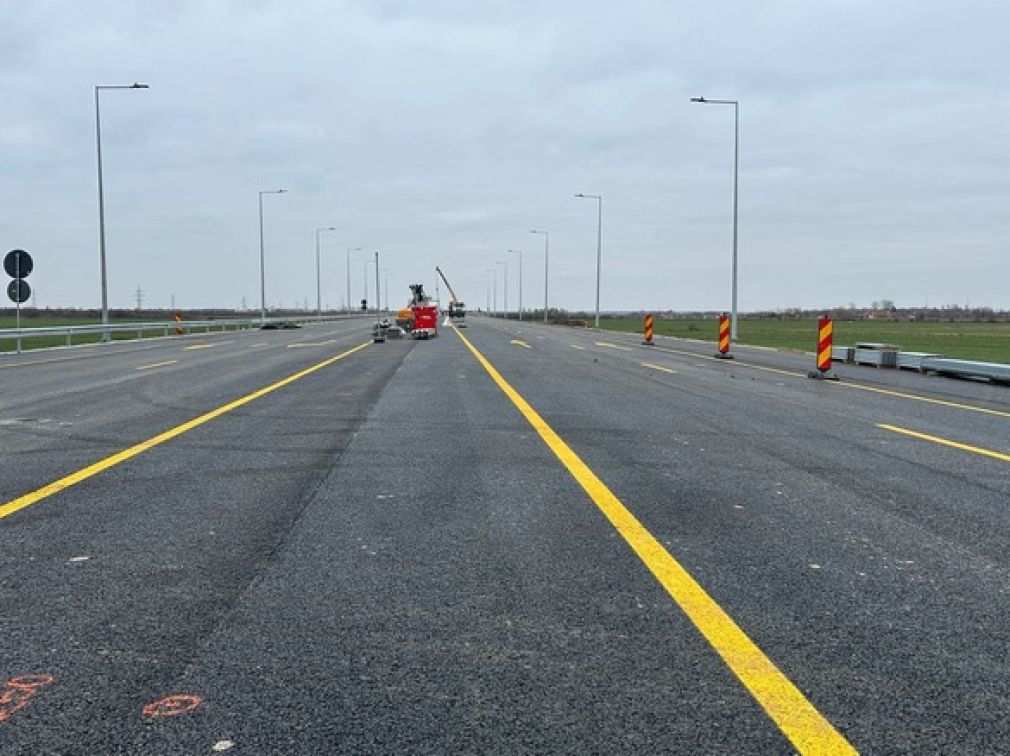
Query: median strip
[[805, 727], [104, 464]]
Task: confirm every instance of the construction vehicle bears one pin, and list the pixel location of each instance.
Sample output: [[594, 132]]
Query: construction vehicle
[[420, 317], [457, 309]]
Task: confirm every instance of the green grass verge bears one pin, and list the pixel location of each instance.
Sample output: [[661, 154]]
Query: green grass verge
[[989, 342]]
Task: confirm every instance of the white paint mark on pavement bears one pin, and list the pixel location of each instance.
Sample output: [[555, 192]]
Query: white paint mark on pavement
[[79, 559], [223, 745]]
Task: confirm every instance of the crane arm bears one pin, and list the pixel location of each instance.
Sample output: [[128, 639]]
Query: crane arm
[[447, 284]]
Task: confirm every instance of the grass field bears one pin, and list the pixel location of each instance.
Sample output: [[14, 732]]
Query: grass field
[[974, 341]]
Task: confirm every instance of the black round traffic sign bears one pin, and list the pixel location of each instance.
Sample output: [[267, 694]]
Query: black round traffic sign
[[18, 290], [18, 263]]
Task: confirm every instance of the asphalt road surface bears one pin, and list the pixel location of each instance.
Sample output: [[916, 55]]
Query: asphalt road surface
[[511, 538]]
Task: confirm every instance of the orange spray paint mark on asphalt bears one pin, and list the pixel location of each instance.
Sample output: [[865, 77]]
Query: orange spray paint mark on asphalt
[[172, 706], [18, 691]]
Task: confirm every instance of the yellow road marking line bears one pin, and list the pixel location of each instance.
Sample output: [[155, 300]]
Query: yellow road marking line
[[658, 367], [795, 716], [576, 346], [206, 346], [310, 343], [853, 386], [523, 344], [927, 399], [104, 464], [156, 364], [608, 345], [946, 442]]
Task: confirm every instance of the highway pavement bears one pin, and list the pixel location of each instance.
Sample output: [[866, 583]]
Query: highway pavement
[[511, 538]]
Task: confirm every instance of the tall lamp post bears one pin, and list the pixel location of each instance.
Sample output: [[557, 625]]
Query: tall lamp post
[[520, 253], [101, 198], [349, 250], [736, 175], [487, 289], [547, 254], [319, 286], [599, 245], [494, 291], [263, 278], [505, 293]]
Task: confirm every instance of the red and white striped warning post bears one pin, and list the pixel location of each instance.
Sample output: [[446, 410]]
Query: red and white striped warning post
[[825, 341], [648, 331], [723, 353]]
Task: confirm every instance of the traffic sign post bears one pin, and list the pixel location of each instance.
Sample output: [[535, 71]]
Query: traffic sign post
[[18, 265]]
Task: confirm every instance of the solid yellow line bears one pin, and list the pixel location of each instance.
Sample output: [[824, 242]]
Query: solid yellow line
[[849, 385], [927, 399], [104, 464], [156, 364], [795, 716], [946, 442], [658, 367]]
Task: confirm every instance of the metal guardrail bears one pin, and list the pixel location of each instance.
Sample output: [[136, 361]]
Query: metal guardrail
[[883, 355], [151, 329]]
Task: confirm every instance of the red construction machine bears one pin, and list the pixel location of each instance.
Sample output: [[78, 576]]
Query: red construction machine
[[420, 317]]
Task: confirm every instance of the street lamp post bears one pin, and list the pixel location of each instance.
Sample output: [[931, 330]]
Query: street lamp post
[[494, 291], [599, 245], [505, 293], [101, 198], [547, 254], [319, 286], [263, 278], [520, 253], [378, 301], [736, 175], [349, 250], [487, 289]]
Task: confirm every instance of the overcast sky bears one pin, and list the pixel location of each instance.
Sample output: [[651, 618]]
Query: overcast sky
[[874, 157]]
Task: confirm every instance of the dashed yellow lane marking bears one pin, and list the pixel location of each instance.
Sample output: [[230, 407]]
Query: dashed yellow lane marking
[[519, 342], [156, 364], [206, 346], [311, 343], [608, 345], [946, 442], [658, 367], [93, 469], [795, 716]]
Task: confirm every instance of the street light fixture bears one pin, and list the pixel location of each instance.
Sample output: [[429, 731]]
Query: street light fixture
[[319, 288], [349, 250], [263, 278], [547, 254], [101, 198], [520, 253], [736, 174], [599, 245]]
